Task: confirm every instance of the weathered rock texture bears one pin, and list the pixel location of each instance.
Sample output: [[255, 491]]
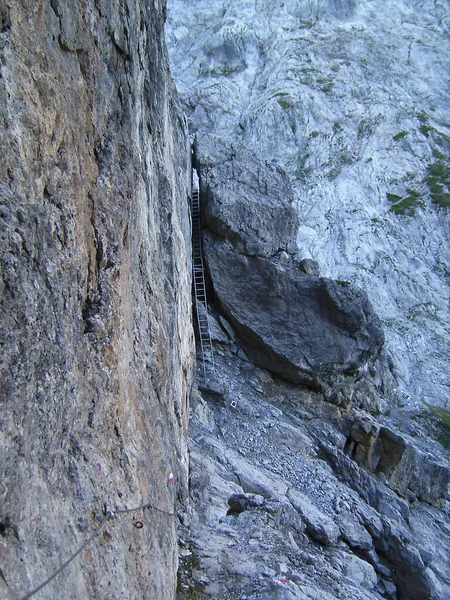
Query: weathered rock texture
[[351, 100], [345, 106], [412, 472], [96, 338], [294, 497], [309, 522], [302, 327]]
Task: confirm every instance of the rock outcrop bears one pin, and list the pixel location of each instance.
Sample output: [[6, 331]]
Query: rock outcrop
[[307, 521], [412, 472], [302, 327], [96, 334], [349, 98], [294, 496], [297, 491]]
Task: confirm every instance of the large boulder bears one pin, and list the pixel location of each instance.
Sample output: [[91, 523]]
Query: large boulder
[[304, 328], [248, 201]]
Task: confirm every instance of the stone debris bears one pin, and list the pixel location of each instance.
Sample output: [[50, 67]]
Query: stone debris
[[297, 494], [266, 515]]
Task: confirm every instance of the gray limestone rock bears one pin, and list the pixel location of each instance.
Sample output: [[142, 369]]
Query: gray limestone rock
[[302, 327], [246, 200], [255, 480], [410, 471], [309, 267], [308, 529], [334, 92], [376, 495], [370, 519], [318, 525], [353, 533], [306, 329], [360, 572]]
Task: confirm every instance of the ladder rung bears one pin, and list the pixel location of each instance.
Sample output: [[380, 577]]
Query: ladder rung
[[199, 285]]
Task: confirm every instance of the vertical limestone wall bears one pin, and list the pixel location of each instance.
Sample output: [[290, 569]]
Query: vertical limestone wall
[[95, 329]]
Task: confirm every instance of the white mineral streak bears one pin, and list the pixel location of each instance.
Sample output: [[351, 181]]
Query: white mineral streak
[[351, 99]]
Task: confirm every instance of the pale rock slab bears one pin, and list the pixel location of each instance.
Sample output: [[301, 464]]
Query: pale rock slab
[[318, 525]]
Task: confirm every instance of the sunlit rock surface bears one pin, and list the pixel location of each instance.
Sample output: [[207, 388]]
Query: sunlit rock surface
[[351, 99], [295, 495]]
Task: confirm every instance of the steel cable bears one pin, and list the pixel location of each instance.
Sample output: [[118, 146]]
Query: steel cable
[[108, 516]]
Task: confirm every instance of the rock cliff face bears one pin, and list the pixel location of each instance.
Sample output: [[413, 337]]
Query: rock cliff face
[[96, 335], [317, 120], [297, 491], [351, 100], [318, 468]]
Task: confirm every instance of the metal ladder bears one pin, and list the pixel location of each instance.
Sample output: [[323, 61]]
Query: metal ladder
[[201, 305]]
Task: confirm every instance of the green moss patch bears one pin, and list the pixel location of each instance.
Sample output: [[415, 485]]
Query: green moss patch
[[337, 127], [438, 182], [442, 416], [187, 587], [400, 135], [405, 205], [285, 100]]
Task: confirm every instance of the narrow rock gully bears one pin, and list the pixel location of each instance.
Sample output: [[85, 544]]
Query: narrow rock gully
[[293, 494]]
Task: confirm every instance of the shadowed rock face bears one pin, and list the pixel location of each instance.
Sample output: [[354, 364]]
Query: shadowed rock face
[[305, 328], [95, 327], [249, 201]]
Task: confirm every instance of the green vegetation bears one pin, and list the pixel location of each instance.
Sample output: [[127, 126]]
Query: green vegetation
[[285, 101], [302, 172], [393, 198], [187, 587], [439, 155], [425, 129], [327, 88], [423, 117], [438, 182], [443, 417], [400, 135], [367, 126], [407, 205], [337, 127], [343, 283], [226, 70], [340, 159], [306, 24]]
